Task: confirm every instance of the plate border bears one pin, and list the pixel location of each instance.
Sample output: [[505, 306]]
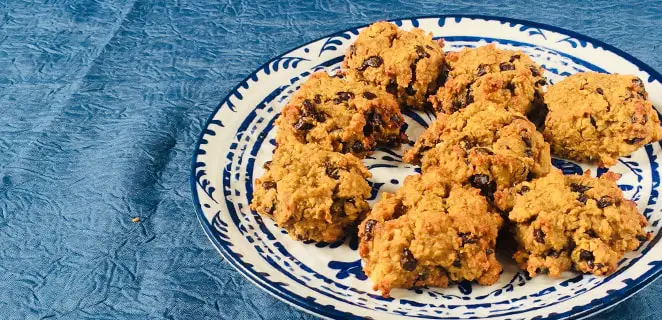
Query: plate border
[[592, 308]]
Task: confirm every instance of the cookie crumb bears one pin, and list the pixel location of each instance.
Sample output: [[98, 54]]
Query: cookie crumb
[[135, 219]]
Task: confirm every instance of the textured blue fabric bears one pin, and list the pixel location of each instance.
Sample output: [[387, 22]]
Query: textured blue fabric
[[101, 104]]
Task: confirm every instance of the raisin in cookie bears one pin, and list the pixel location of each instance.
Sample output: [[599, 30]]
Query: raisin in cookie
[[408, 64], [429, 233], [599, 117], [507, 78], [341, 115], [313, 194], [485, 146], [563, 222]]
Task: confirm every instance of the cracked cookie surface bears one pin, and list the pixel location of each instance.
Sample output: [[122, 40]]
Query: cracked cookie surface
[[484, 146], [431, 232], [597, 117], [508, 78], [407, 64], [313, 194], [579, 222], [341, 115]]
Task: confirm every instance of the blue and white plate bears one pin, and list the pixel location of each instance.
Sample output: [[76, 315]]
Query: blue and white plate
[[326, 279]]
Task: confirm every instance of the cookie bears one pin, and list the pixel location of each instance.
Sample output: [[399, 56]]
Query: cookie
[[313, 194], [595, 117], [341, 115], [580, 222], [484, 146], [431, 232], [407, 64], [508, 78]]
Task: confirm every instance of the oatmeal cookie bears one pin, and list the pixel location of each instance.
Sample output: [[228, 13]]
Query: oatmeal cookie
[[341, 115], [313, 194], [431, 232], [563, 222], [599, 117], [407, 64], [509, 79], [484, 146]]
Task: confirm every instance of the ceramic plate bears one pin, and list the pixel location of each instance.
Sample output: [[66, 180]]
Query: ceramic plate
[[326, 278]]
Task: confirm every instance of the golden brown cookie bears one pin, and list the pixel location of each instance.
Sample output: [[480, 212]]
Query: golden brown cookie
[[313, 194], [484, 146], [431, 232], [407, 64], [508, 78], [341, 115], [599, 117], [563, 222]]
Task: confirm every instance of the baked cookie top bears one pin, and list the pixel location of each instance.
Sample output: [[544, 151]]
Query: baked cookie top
[[430, 232], [341, 115], [313, 194], [407, 64], [508, 78], [484, 146], [563, 221], [598, 117]]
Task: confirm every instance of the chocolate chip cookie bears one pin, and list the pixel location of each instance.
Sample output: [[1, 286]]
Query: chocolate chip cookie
[[431, 232], [313, 194], [341, 115], [407, 64], [597, 117], [484, 146], [563, 222], [508, 78]]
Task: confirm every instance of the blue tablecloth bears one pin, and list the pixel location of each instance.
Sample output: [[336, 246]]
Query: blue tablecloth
[[101, 103]]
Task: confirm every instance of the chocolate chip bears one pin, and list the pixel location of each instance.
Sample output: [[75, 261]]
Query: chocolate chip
[[456, 105], [407, 260], [539, 235], [582, 198], [634, 140], [369, 226], [586, 255], [605, 201], [267, 165], [484, 151], [392, 87], [482, 70], [468, 98], [599, 91], [504, 66], [514, 57], [489, 252], [373, 61], [357, 147], [421, 52], [541, 82], [526, 139], [303, 125], [523, 190], [423, 275], [458, 261], [593, 123], [343, 96], [399, 210], [576, 187], [338, 207], [467, 238], [534, 71], [317, 99], [642, 237], [369, 95], [591, 233], [269, 185], [511, 87], [270, 210], [308, 106]]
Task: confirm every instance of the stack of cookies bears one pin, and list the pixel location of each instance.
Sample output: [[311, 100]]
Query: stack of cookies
[[485, 162]]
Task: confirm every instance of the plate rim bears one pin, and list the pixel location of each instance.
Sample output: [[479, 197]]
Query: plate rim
[[591, 309]]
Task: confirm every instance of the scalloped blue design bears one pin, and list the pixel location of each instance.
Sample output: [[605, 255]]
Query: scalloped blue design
[[332, 43], [568, 167], [218, 230]]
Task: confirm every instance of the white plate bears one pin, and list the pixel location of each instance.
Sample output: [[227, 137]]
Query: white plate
[[326, 279]]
